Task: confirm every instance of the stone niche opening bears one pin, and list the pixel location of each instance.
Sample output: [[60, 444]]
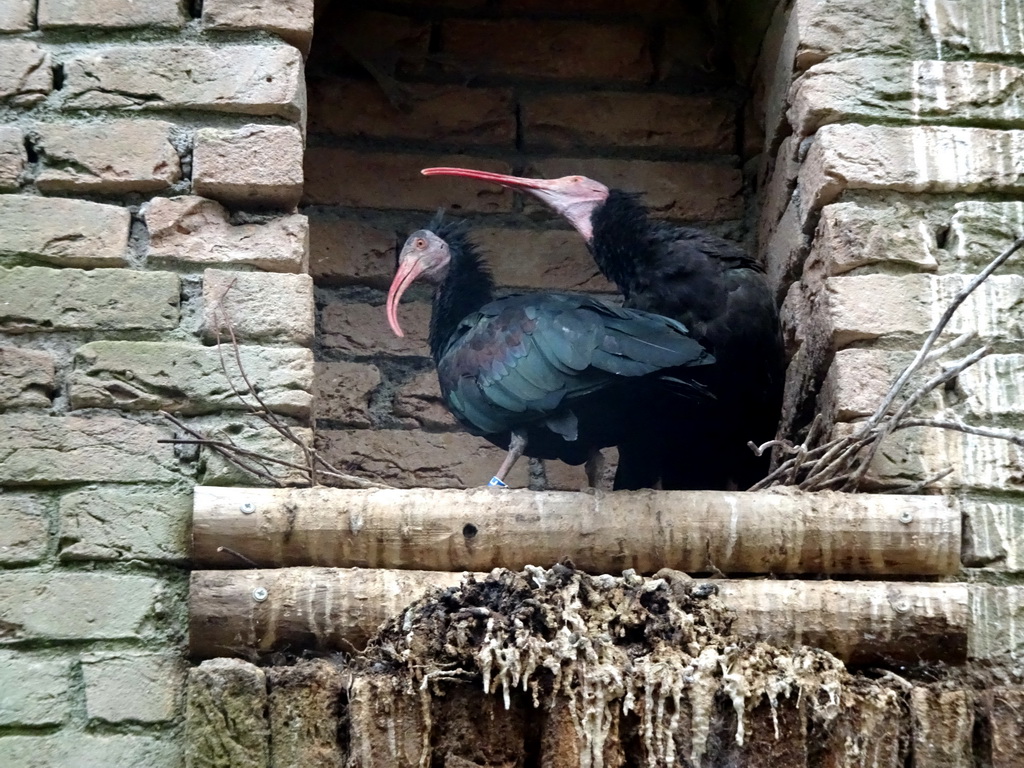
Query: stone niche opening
[[654, 96]]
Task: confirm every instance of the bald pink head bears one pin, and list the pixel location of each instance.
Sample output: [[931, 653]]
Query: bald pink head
[[424, 255], [574, 197]]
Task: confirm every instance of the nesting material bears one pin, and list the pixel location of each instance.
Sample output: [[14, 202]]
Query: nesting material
[[659, 650]]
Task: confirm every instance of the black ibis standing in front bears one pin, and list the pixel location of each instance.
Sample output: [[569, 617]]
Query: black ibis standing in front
[[715, 289], [548, 375]]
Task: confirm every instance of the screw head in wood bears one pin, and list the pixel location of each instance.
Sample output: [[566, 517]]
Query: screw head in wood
[[901, 605], [248, 508], [259, 594], [906, 517]]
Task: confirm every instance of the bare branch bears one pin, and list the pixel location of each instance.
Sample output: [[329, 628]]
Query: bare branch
[[940, 326], [844, 461], [1017, 438]]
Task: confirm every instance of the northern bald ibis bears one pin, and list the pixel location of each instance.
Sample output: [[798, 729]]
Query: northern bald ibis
[[548, 375], [711, 285]]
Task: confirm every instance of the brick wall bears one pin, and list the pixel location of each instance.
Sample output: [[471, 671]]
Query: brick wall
[[643, 96], [892, 173], [150, 159]]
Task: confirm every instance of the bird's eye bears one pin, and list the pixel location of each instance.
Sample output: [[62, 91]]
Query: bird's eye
[[421, 243], [576, 179]]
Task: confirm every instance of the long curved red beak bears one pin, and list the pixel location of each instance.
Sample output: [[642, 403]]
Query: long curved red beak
[[519, 182], [406, 274]]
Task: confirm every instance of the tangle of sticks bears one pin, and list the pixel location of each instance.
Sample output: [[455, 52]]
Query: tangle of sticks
[[841, 463]]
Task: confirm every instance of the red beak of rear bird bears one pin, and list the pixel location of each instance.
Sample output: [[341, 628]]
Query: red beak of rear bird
[[574, 197]]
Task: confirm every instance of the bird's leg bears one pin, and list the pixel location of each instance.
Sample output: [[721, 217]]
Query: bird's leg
[[516, 446], [595, 468]]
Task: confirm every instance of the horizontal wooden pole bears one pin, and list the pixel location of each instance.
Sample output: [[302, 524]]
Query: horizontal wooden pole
[[783, 532], [236, 612]]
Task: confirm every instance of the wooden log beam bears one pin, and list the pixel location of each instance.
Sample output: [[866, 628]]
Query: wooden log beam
[[784, 532], [238, 612]]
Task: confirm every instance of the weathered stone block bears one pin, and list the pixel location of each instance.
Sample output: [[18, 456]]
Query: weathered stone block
[[43, 299], [36, 690], [24, 529], [943, 722], [135, 522], [184, 378], [993, 536], [852, 235], [26, 378], [411, 458], [346, 252], [91, 157], [51, 450], [546, 259], [776, 181], [292, 19], [354, 179], [787, 250], [993, 388], [362, 329], [25, 74], [13, 157], [867, 731], [628, 120], [343, 392], [17, 15], [375, 705], [224, 716], [199, 231], [419, 402], [110, 13], [930, 159], [916, 453], [851, 26], [258, 307], [690, 191], [566, 50], [873, 90], [858, 380], [132, 687], [979, 231], [251, 434], [303, 710], [85, 750], [441, 113], [70, 233], [257, 165], [245, 79], [78, 606], [1004, 706], [869, 306], [997, 622], [973, 27]]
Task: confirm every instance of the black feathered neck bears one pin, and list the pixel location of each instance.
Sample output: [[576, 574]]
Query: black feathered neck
[[622, 238], [467, 286]]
